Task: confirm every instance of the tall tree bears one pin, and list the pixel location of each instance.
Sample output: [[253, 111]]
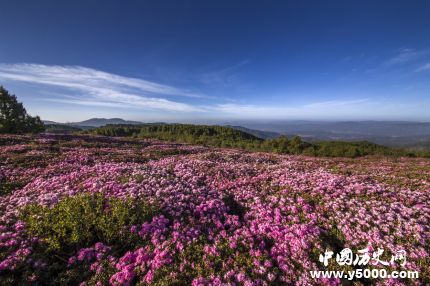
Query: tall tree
[[14, 117]]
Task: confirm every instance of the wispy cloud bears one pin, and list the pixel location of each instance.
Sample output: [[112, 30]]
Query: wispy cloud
[[99, 88], [223, 77], [425, 67], [93, 88], [360, 109], [406, 56], [336, 103], [315, 109]]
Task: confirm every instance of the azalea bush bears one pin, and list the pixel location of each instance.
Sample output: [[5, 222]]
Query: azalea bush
[[110, 211]]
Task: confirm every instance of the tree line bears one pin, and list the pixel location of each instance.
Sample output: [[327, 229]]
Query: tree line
[[227, 137]]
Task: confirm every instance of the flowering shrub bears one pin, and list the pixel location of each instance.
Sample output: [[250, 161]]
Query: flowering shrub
[[82, 224], [103, 211]]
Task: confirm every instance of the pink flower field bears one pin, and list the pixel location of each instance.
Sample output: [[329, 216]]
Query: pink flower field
[[103, 211]]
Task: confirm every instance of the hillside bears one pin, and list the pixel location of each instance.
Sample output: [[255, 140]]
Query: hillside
[[199, 134], [61, 128], [97, 122], [390, 133], [410, 135], [221, 136], [94, 122], [73, 201], [257, 133]]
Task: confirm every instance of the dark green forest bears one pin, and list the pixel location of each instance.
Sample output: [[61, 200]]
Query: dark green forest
[[226, 137], [61, 129]]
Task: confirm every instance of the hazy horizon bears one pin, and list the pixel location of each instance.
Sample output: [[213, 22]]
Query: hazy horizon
[[218, 61], [240, 121]]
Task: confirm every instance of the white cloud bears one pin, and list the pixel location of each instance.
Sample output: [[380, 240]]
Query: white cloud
[[89, 87], [336, 103], [130, 101], [425, 67], [224, 77], [326, 109], [405, 56], [98, 87]]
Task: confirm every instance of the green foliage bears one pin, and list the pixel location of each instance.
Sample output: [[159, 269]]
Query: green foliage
[[213, 135], [61, 128], [354, 149], [81, 221], [14, 117]]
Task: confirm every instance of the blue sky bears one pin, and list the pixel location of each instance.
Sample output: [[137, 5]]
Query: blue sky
[[215, 61]]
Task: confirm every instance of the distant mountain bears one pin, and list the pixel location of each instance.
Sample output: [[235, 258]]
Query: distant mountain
[[49, 122], [94, 122], [229, 137], [97, 122], [369, 128], [61, 128], [392, 133], [257, 133], [389, 133]]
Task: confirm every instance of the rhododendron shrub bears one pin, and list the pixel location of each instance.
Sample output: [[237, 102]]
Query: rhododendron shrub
[[101, 211]]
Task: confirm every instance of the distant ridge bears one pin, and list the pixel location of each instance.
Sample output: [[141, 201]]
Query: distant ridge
[[257, 133], [96, 122], [229, 137], [389, 133], [99, 122]]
